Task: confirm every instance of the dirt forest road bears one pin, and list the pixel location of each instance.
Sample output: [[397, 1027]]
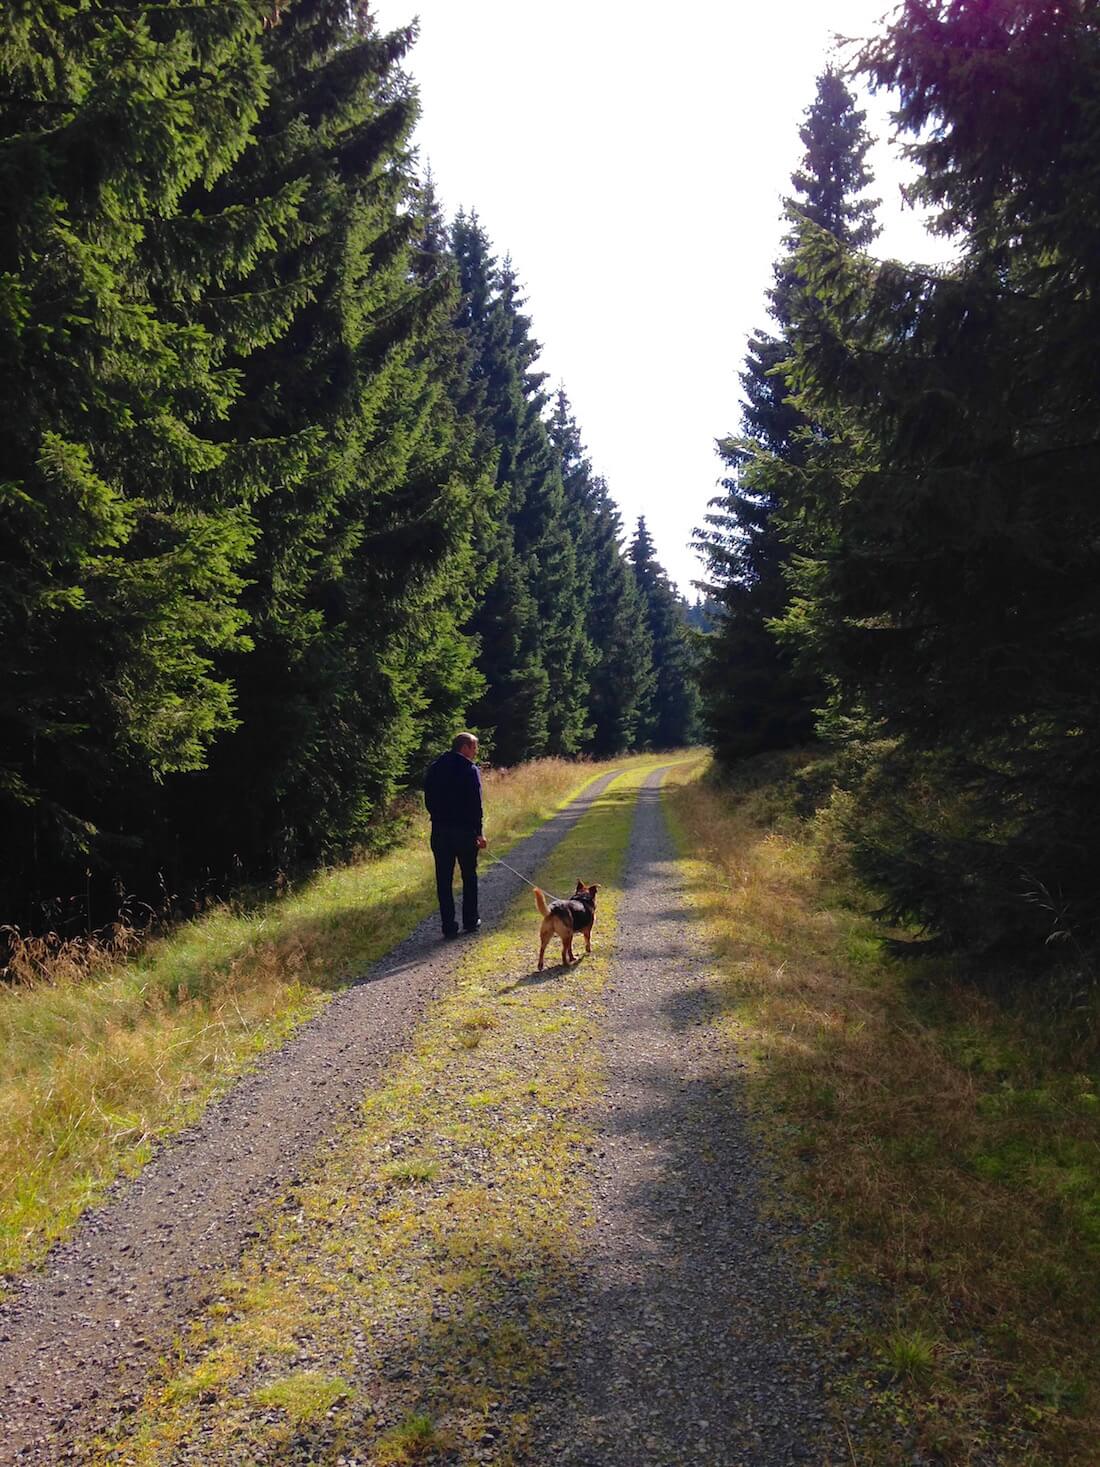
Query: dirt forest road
[[692, 1341], [80, 1334], [648, 1315]]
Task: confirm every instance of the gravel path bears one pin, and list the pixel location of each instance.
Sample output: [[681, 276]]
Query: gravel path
[[77, 1338], [692, 1339]]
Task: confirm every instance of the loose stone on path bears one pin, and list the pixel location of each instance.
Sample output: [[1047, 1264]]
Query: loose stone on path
[[689, 1341]]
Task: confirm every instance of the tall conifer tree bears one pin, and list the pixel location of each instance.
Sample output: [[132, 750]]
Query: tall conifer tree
[[948, 577], [126, 495], [546, 536], [620, 684], [512, 710], [362, 569], [671, 718], [754, 697], [535, 656]]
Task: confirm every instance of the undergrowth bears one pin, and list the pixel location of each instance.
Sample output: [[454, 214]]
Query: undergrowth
[[948, 1141], [99, 1059]]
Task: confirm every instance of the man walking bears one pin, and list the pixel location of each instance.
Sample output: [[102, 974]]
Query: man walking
[[452, 793]]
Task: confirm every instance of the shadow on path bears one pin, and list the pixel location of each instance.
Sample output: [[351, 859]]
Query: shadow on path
[[684, 1337], [693, 1340]]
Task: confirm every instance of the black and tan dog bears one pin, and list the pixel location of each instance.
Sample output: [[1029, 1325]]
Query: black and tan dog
[[565, 920]]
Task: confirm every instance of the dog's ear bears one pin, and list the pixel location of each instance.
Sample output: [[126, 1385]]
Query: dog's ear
[[593, 890], [581, 886]]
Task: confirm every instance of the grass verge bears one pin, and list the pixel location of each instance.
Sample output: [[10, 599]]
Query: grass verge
[[944, 1147], [417, 1276], [95, 1069]]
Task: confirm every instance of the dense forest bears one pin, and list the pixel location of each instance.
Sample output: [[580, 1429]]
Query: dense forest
[[906, 554], [285, 499]]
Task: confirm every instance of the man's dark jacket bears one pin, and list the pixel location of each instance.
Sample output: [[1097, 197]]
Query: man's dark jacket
[[452, 792]]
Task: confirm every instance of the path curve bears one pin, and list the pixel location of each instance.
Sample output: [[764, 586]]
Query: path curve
[[691, 1340], [78, 1336]]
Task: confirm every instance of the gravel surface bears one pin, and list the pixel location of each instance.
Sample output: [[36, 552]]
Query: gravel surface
[[77, 1337], [692, 1339]]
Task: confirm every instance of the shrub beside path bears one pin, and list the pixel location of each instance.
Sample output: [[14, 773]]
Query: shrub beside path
[[80, 1334]]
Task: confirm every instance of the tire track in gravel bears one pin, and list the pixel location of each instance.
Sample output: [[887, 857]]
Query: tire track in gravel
[[691, 1341], [77, 1337]]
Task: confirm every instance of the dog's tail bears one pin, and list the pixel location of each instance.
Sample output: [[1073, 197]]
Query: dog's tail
[[541, 903]]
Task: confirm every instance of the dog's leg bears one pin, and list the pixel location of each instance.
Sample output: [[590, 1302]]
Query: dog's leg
[[544, 937], [588, 939]]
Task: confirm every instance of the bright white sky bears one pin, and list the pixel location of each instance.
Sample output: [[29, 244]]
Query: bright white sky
[[631, 159]]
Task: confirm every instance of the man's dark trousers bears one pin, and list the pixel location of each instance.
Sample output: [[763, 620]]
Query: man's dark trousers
[[450, 844]]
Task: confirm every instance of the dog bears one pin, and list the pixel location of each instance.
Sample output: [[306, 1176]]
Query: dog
[[565, 920]]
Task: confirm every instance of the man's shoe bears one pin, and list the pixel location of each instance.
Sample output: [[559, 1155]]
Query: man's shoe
[[449, 932], [474, 928]]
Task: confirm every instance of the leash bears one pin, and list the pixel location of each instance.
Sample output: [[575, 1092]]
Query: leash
[[523, 878]]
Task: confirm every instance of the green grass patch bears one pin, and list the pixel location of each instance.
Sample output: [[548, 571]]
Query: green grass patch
[[436, 1299], [910, 1355], [305, 1396], [412, 1441], [99, 1065], [412, 1169]]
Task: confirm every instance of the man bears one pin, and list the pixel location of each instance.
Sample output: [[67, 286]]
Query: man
[[452, 793]]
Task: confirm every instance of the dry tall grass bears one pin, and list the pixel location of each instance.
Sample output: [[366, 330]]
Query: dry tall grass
[[952, 1148], [99, 1056]]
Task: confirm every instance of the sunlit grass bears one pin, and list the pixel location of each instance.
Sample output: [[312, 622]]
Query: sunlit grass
[[951, 1147], [304, 1396], [99, 1062], [412, 1169]]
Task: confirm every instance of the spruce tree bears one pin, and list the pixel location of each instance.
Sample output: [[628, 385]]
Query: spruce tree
[[535, 656], [947, 523], [448, 675], [127, 496], [670, 719], [546, 535], [622, 685], [621, 682], [754, 697], [362, 569], [511, 715], [702, 613]]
